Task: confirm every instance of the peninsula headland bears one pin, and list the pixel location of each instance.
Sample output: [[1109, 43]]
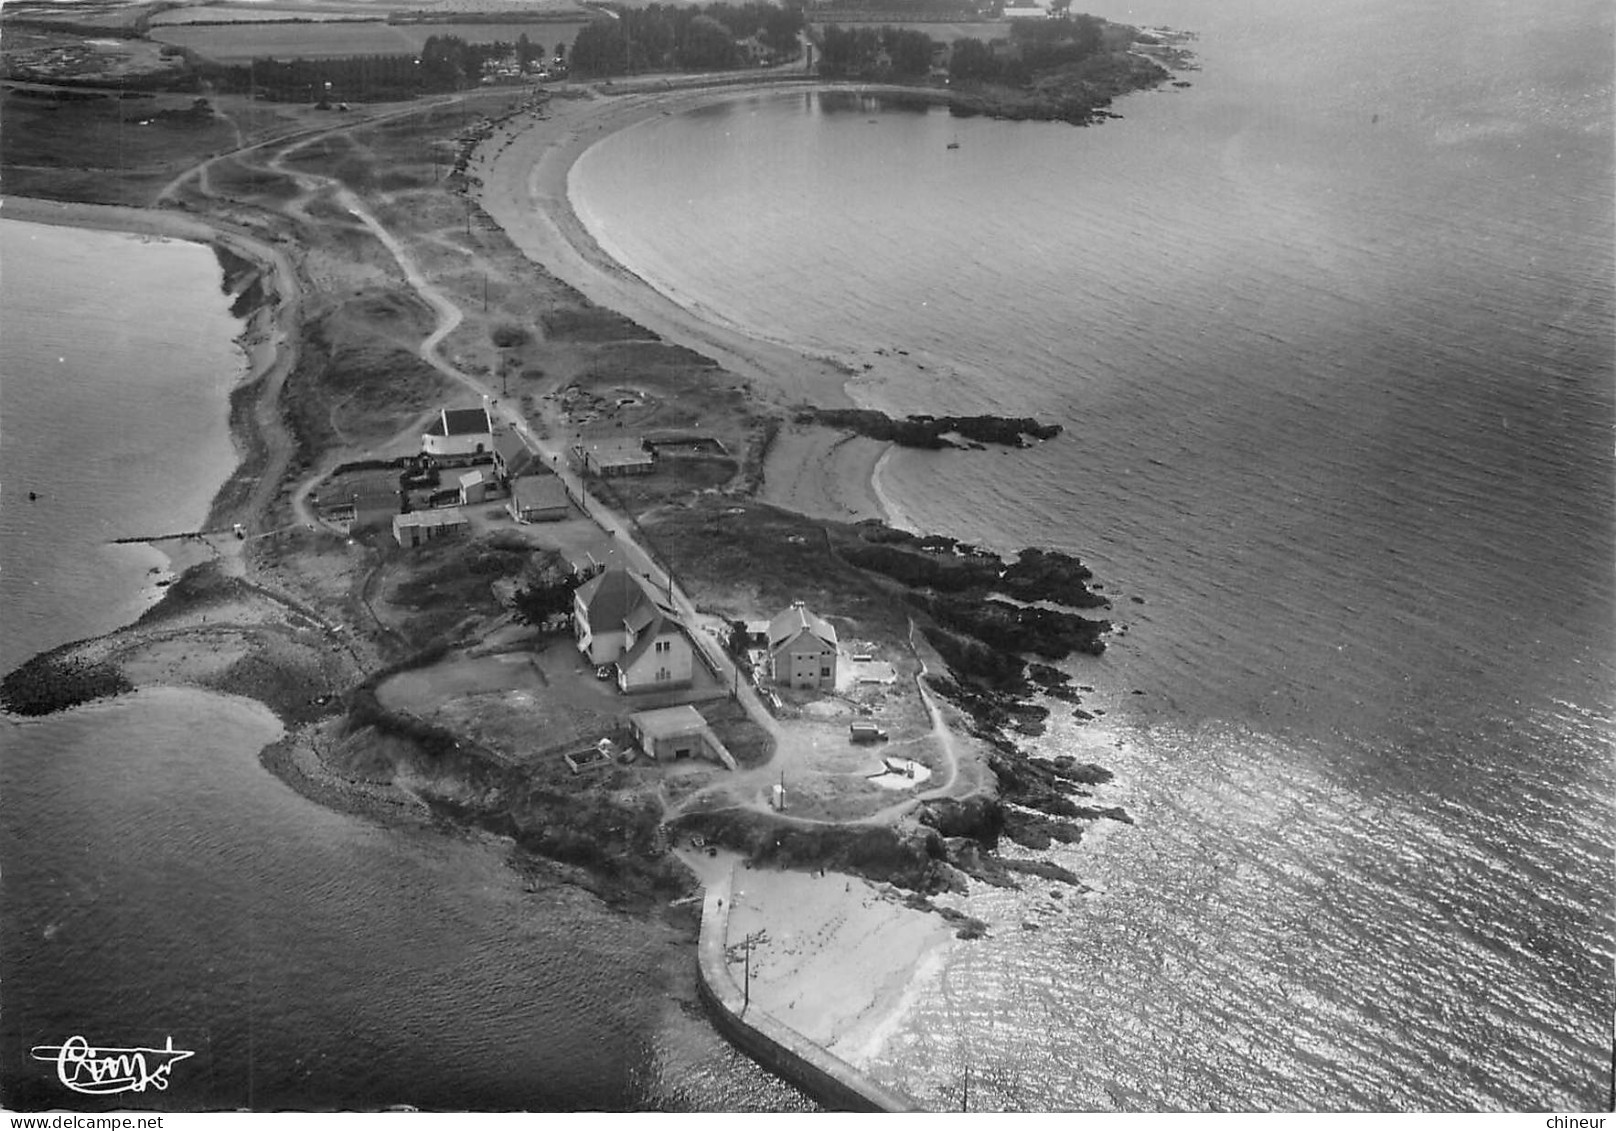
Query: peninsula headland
[[419, 595]]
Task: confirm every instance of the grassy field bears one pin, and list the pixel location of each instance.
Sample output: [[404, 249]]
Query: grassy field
[[240, 42], [102, 148]]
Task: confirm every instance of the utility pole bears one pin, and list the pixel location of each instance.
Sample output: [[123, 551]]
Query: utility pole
[[745, 946]]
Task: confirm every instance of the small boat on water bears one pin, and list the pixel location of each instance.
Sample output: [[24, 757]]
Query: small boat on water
[[953, 145]]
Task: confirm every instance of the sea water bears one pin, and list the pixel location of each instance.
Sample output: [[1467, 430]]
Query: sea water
[[161, 886], [1330, 336]]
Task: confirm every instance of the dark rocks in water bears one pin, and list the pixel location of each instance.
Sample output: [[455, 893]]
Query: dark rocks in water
[[1015, 629], [943, 565], [979, 818], [1087, 773], [56, 681], [1050, 680], [1044, 869], [929, 431], [1038, 833], [1137, 600], [1050, 575], [1114, 813], [1081, 715]]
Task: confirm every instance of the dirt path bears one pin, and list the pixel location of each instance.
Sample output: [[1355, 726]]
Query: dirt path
[[794, 753]]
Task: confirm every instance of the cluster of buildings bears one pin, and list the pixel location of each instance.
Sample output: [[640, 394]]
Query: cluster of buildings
[[629, 632], [624, 626], [462, 463]]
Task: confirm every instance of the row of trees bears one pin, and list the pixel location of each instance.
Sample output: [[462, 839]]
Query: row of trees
[[446, 63], [870, 53], [899, 53], [677, 38]]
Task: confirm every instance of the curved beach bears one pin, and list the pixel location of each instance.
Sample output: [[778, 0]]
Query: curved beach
[[521, 173]]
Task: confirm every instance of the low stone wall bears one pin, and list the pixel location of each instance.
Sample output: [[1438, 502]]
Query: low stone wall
[[779, 1048]]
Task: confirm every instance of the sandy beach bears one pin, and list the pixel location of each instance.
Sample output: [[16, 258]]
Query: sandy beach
[[524, 168], [823, 473], [839, 959]]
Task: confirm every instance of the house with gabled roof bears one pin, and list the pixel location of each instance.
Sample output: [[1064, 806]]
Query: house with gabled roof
[[512, 457], [618, 621], [802, 649], [459, 435]]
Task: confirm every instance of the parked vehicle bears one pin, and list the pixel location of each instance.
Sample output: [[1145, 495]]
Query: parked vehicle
[[866, 732]]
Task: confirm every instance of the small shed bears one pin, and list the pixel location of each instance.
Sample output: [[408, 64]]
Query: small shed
[[671, 734], [423, 526], [538, 498], [473, 488]]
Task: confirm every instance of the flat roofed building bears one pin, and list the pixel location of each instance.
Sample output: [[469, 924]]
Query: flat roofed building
[[675, 733], [422, 526], [610, 458]]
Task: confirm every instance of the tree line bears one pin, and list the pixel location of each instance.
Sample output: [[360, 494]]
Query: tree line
[[446, 63], [904, 53], [678, 38]]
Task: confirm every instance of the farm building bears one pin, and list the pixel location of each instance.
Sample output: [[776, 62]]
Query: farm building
[[538, 498], [611, 458], [802, 649], [672, 734], [422, 526], [459, 435]]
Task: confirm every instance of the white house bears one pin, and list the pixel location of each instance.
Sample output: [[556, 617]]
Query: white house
[[802, 649], [459, 435], [617, 621]]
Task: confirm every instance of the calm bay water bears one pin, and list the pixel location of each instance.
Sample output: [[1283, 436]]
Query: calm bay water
[[1331, 336], [159, 883], [117, 364]]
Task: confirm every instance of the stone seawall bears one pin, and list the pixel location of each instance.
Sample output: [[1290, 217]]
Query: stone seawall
[[779, 1048]]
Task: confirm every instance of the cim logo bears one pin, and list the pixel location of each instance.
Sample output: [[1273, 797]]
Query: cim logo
[[106, 1071]]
